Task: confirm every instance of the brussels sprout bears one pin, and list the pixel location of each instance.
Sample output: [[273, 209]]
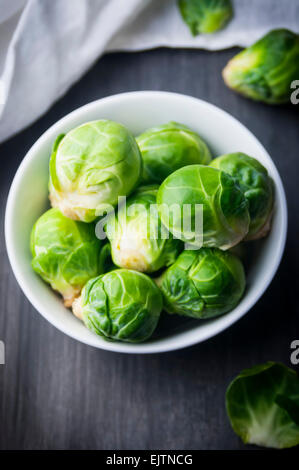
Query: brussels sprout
[[257, 187], [205, 16], [224, 207], [122, 305], [167, 148], [203, 283], [65, 253], [138, 239], [263, 405], [265, 71], [91, 166]]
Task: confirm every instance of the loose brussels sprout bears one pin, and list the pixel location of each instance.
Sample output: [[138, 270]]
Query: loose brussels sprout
[[138, 239], [257, 187], [65, 253], [122, 305], [265, 71], [263, 405], [91, 166], [167, 148], [206, 16], [203, 283], [225, 217]]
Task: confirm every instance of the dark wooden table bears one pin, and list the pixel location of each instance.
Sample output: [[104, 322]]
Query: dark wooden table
[[56, 393]]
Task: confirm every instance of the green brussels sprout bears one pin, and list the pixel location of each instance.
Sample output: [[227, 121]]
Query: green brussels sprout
[[263, 405], [265, 70], [122, 305], [205, 16], [257, 187], [207, 191], [203, 283], [65, 253], [167, 148], [91, 166], [138, 239]]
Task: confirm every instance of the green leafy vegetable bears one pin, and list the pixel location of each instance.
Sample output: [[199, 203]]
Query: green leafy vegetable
[[203, 283], [122, 305], [263, 405], [138, 239], [91, 166], [257, 187], [198, 189], [265, 70], [206, 16], [167, 148], [65, 253]]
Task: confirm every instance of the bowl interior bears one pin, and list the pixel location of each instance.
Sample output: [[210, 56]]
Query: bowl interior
[[28, 199]]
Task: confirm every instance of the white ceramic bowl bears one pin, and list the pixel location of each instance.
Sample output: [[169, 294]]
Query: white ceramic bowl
[[28, 199]]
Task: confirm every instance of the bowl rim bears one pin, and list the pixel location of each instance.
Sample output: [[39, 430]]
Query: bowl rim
[[165, 345]]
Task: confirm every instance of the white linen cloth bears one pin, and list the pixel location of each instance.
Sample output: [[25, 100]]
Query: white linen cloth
[[47, 45]]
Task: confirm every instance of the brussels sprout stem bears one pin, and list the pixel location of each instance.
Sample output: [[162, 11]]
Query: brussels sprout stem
[[77, 308]]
